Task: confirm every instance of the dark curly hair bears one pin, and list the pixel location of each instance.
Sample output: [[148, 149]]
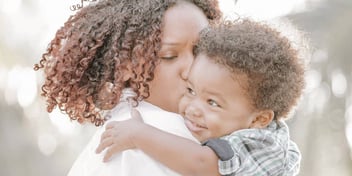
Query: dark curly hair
[[272, 66], [95, 48]]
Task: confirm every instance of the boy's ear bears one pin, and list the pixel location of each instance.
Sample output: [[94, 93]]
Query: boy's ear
[[262, 119]]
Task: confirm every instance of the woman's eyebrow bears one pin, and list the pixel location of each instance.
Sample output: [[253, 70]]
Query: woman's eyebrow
[[170, 43]]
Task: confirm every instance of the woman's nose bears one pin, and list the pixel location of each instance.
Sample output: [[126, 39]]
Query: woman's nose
[[187, 63]]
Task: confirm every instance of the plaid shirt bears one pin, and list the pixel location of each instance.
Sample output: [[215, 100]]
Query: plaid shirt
[[257, 152]]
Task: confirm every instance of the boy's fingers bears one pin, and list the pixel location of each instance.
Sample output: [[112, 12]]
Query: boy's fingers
[[106, 134], [111, 151], [104, 144], [111, 125]]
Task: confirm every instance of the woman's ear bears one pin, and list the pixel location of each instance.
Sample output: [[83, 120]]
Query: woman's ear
[[128, 73], [262, 119]]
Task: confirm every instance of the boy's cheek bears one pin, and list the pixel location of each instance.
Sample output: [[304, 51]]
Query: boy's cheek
[[182, 105]]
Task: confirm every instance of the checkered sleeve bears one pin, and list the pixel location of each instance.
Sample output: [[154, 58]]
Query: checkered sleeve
[[257, 152], [228, 162]]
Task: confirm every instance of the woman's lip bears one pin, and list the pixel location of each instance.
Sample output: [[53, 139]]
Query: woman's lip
[[193, 126]]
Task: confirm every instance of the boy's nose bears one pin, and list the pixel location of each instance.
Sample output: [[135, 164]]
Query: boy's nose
[[193, 111]]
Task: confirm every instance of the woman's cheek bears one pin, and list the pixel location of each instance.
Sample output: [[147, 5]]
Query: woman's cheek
[[183, 104]]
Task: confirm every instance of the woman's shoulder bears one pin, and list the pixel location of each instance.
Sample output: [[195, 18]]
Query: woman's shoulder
[[146, 107], [153, 114], [167, 121]]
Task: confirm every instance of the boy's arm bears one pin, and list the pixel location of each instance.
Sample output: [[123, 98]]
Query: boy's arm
[[179, 154]]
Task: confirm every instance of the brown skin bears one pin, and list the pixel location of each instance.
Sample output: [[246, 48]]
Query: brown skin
[[254, 61], [177, 56], [176, 53], [271, 62], [209, 112], [111, 45], [99, 46], [179, 154], [216, 103]]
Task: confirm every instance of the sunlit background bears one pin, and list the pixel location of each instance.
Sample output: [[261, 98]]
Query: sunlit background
[[35, 143]]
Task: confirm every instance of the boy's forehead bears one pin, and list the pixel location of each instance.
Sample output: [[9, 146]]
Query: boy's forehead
[[212, 78], [203, 62]]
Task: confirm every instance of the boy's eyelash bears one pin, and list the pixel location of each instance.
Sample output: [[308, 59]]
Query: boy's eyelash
[[210, 103], [190, 91]]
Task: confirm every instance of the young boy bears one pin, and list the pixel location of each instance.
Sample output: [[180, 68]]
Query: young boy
[[245, 80]]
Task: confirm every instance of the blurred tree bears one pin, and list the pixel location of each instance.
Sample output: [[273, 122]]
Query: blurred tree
[[321, 134]]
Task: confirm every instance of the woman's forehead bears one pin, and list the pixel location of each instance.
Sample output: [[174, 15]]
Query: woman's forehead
[[182, 22]]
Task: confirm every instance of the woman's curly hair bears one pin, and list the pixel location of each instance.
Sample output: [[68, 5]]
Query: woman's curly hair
[[272, 66], [95, 49]]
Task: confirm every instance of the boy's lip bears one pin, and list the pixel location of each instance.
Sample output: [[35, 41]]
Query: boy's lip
[[193, 126]]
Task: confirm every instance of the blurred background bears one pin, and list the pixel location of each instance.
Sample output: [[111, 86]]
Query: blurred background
[[35, 143]]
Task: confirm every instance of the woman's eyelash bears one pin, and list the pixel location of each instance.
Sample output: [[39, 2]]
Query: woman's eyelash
[[169, 57]]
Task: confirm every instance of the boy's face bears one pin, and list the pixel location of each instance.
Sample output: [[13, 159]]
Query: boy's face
[[215, 103]]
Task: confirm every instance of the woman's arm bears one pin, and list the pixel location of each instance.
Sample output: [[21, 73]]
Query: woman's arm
[[180, 154]]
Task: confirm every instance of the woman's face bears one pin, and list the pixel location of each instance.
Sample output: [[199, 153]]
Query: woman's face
[[181, 26]]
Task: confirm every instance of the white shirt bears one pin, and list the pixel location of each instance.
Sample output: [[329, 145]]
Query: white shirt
[[130, 162]]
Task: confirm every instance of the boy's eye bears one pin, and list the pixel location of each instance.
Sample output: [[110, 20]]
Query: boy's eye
[[213, 103], [190, 91]]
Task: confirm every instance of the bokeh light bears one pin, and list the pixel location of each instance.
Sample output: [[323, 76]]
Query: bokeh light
[[338, 83], [62, 123], [47, 144]]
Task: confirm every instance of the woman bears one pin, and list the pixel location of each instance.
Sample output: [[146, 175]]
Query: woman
[[113, 50]]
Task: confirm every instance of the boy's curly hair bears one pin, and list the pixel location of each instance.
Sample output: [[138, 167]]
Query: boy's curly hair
[[272, 66], [97, 46]]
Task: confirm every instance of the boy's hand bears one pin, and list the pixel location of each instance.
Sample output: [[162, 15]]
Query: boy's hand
[[118, 135]]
